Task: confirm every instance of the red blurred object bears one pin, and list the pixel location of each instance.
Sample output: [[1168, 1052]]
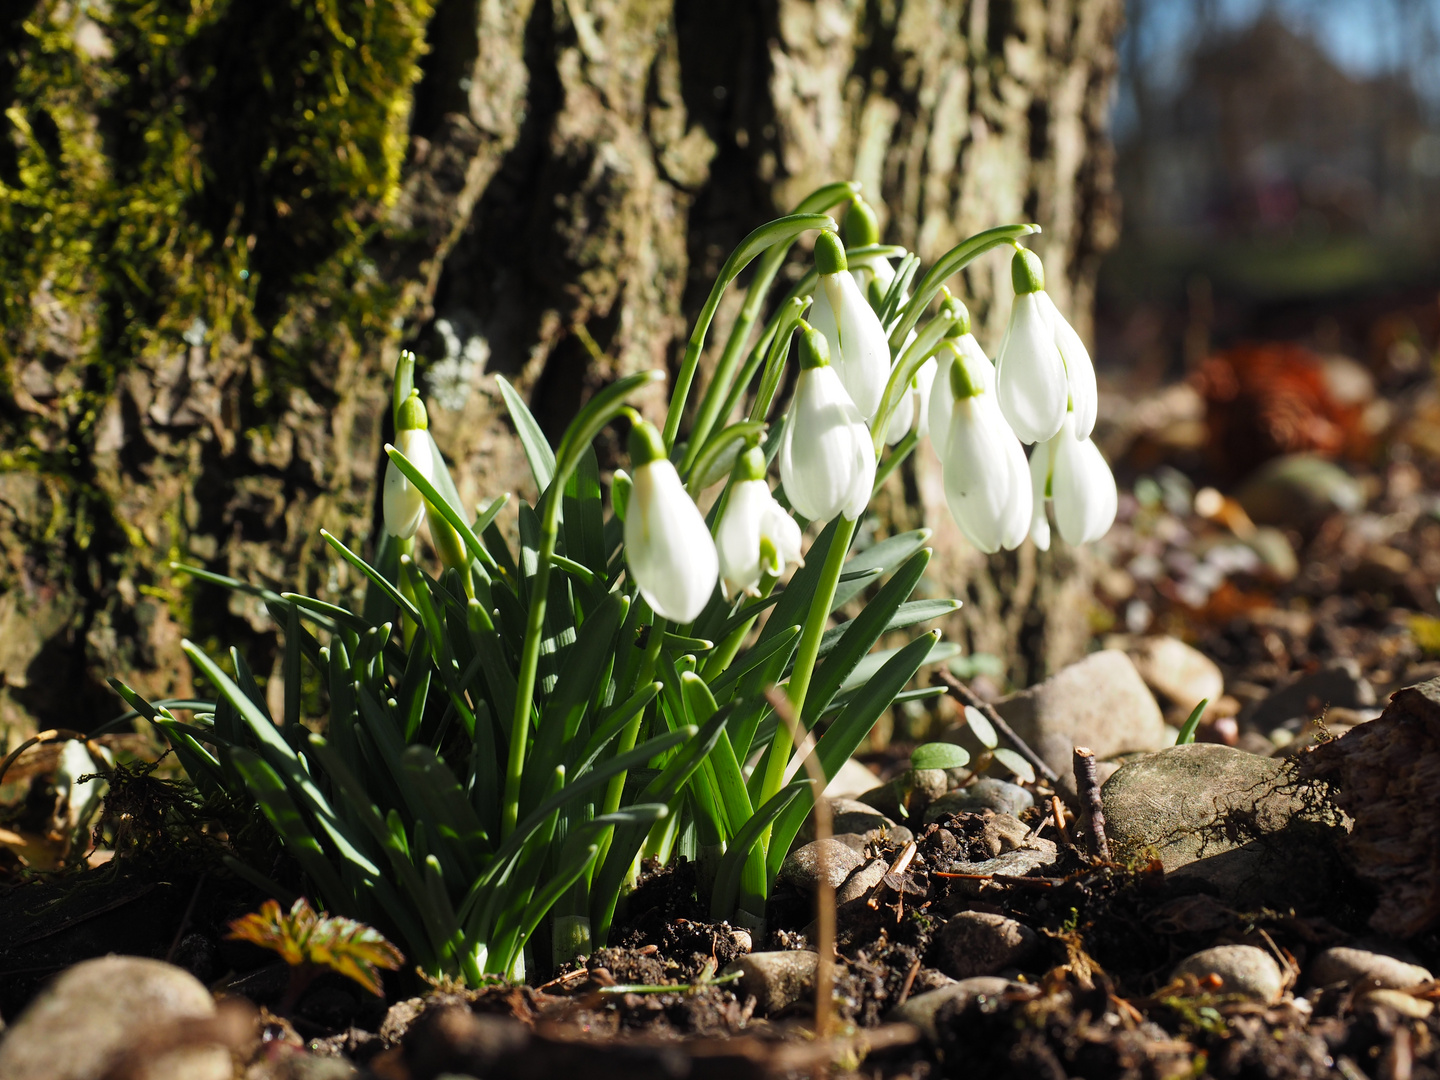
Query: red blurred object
[[1265, 400]]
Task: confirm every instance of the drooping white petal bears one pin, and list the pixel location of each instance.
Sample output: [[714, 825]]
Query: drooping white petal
[[783, 532], [752, 515], [1040, 460], [404, 505], [1029, 373], [942, 403], [826, 455], [859, 348], [1079, 371], [977, 476], [1015, 525], [667, 545], [1083, 489]]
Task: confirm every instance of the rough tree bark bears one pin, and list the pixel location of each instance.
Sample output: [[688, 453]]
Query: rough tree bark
[[220, 222]]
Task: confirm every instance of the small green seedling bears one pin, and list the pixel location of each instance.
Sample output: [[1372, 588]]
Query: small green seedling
[[1192, 723]]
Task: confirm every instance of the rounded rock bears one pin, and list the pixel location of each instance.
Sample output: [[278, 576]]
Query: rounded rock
[[975, 943], [775, 979], [921, 1009], [987, 793], [88, 1018], [801, 868], [1349, 965], [1243, 970]]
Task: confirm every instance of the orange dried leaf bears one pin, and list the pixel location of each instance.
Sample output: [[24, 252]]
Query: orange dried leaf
[[343, 945]]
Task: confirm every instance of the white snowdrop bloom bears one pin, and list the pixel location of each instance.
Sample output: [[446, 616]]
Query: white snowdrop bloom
[[859, 347], [983, 463], [668, 547], [404, 505], [827, 459], [1079, 371], [1073, 474], [1029, 370], [755, 536], [914, 407], [942, 395]]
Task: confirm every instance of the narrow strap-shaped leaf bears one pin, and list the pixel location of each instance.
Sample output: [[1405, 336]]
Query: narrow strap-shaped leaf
[[374, 575], [729, 780], [906, 615], [451, 512], [532, 440], [753, 658], [732, 863], [330, 613], [795, 601], [450, 813]]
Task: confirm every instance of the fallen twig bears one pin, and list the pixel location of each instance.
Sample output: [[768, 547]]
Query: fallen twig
[[1057, 811], [1092, 808], [963, 694]]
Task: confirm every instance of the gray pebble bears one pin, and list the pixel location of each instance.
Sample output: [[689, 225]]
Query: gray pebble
[[775, 979], [979, 943], [801, 868], [987, 793], [1242, 969], [1350, 966], [921, 1009]]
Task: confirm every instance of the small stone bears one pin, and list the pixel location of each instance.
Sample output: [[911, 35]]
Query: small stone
[[775, 979], [449, 1038], [86, 1021], [1242, 969], [980, 943], [1246, 825], [1100, 702], [885, 799], [1298, 491], [743, 940], [851, 781], [1339, 683], [1401, 1002], [801, 868], [987, 793], [1039, 854], [921, 1009], [862, 881], [850, 817], [1348, 965], [1181, 675]]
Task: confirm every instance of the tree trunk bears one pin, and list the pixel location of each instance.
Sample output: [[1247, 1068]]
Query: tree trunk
[[219, 224]]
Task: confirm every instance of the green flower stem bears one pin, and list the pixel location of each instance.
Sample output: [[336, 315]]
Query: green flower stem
[[898, 453], [946, 267], [625, 742], [785, 318], [408, 625], [806, 653], [907, 366], [767, 235], [530, 659], [723, 655]]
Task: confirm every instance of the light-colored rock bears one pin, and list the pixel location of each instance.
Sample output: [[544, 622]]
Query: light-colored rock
[[851, 781], [1244, 824], [1038, 854], [1242, 969], [850, 817], [921, 1009], [862, 881], [94, 1012], [801, 868], [1361, 966], [980, 943], [1179, 674], [1298, 491], [1100, 702], [775, 979], [987, 793]]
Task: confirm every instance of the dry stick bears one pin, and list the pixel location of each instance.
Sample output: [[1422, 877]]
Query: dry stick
[[1092, 809], [824, 891], [1057, 811], [963, 694]]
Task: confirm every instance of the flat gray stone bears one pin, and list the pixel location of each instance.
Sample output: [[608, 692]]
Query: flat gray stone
[[987, 793], [1351, 966], [1040, 854], [1242, 969], [1299, 491], [801, 868], [921, 1009], [851, 817], [1245, 826], [775, 979], [1100, 702], [1339, 684], [980, 943], [862, 881], [93, 1013]]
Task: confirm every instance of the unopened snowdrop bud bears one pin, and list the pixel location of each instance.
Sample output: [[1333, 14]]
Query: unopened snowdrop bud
[[1029, 371], [756, 536], [983, 465], [827, 459], [404, 505], [873, 273], [859, 348], [667, 545], [1072, 473]]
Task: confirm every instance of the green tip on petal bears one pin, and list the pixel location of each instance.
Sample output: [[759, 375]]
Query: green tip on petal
[[814, 349], [829, 254], [956, 307], [1026, 272], [646, 444], [750, 465], [411, 414], [861, 226], [961, 384]]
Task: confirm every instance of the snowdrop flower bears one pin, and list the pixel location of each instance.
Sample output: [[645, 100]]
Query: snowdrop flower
[[827, 459], [1072, 473], [914, 408], [982, 462], [1043, 368], [756, 536], [404, 505], [862, 229], [667, 544], [859, 348]]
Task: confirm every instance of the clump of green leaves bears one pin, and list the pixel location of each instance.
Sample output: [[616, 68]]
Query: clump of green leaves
[[312, 942]]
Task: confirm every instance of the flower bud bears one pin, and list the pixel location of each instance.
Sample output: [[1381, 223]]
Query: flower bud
[[403, 503], [755, 536], [859, 348]]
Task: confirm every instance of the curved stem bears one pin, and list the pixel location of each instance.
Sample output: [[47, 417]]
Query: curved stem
[[806, 653]]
